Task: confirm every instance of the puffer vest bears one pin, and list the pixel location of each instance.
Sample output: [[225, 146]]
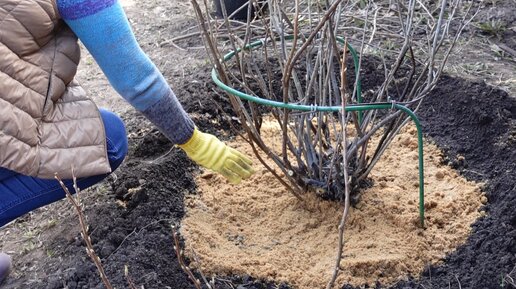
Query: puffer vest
[[47, 124]]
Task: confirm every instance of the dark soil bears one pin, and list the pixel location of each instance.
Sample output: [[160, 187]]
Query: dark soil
[[130, 224]]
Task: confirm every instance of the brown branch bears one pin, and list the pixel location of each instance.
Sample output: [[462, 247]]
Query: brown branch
[[345, 212], [209, 284], [179, 255], [210, 46], [84, 228], [130, 281], [320, 25]]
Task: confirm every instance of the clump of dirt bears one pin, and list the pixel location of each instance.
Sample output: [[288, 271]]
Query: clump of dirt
[[258, 228]]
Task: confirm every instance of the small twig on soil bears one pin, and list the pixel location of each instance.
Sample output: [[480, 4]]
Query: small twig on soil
[[179, 255], [460, 286], [209, 284], [130, 281], [509, 279], [473, 172], [84, 229], [161, 156], [137, 233]]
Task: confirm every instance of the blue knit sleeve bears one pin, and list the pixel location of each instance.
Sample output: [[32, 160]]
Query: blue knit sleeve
[[102, 27]]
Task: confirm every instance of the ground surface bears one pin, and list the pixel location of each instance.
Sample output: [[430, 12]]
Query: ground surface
[[130, 214]]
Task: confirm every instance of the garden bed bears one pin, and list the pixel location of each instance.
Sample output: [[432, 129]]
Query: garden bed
[[472, 123], [131, 213]]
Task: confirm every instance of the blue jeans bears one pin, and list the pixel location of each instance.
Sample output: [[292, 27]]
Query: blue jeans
[[20, 194]]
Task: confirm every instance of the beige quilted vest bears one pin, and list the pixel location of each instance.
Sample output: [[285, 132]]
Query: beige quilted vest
[[47, 124]]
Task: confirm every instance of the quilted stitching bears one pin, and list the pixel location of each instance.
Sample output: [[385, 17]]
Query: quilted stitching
[[81, 115]]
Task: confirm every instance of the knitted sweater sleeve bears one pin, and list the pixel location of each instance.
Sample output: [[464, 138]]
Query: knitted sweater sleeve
[[103, 28]]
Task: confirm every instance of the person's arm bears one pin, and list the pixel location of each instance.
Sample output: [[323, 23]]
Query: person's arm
[[103, 28]]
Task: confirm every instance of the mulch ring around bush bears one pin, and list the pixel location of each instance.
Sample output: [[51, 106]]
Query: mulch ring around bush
[[474, 124]]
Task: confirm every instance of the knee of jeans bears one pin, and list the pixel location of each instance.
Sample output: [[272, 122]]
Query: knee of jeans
[[116, 137]]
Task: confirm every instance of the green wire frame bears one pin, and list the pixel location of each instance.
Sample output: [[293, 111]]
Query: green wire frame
[[351, 107]]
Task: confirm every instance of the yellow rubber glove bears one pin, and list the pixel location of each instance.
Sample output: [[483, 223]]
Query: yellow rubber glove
[[208, 151]]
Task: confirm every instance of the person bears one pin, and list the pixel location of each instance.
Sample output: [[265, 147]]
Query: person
[[49, 127]]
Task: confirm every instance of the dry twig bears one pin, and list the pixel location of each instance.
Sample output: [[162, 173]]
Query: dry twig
[[340, 246], [509, 278], [84, 228], [179, 255], [128, 277]]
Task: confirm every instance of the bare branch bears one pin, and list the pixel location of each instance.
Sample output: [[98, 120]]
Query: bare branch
[[84, 228], [179, 255]]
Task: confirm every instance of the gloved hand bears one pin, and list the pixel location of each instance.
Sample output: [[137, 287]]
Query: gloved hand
[[209, 152]]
